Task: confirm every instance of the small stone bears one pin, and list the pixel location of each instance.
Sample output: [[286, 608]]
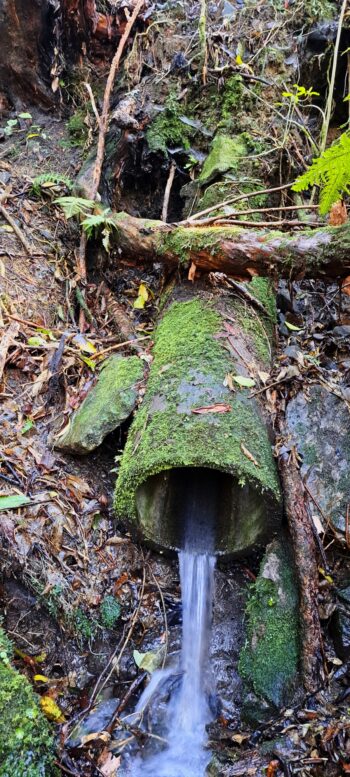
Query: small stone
[[341, 634]]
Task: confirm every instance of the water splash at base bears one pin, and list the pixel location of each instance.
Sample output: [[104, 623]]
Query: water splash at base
[[188, 712]]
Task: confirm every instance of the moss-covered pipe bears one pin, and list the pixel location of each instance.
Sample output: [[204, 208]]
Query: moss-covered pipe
[[193, 436]]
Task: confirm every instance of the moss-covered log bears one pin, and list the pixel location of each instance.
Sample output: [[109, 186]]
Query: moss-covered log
[[313, 253], [199, 434]]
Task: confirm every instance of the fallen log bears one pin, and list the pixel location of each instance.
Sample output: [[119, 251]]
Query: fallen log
[[237, 251]]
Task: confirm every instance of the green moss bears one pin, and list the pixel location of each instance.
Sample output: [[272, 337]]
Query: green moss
[[106, 406], [168, 130], [269, 661], [189, 367], [220, 191], [185, 241], [77, 129], [26, 740], [225, 155], [83, 626], [110, 611]]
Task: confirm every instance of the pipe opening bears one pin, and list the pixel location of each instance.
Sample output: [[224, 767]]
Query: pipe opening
[[226, 517]]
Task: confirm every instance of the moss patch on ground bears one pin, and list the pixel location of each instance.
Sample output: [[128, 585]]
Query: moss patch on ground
[[26, 740], [188, 372], [269, 660]]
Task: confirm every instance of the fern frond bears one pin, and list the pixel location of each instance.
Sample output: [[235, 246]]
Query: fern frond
[[331, 172], [75, 206], [94, 221], [47, 178]]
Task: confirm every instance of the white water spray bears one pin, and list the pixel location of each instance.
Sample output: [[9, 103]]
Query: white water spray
[[188, 711]]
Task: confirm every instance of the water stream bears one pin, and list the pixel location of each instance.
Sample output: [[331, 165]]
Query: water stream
[[188, 711]]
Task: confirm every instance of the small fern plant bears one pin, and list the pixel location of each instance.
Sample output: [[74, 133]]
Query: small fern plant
[[331, 172], [92, 215], [48, 180]]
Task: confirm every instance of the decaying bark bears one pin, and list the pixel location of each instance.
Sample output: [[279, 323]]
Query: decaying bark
[[237, 251], [304, 550]]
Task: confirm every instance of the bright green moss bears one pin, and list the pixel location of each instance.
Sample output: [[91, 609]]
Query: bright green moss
[[168, 130], [26, 740], [269, 660], [110, 401], [188, 371], [110, 611], [225, 155]]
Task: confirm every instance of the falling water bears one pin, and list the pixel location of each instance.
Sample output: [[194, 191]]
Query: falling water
[[188, 711]]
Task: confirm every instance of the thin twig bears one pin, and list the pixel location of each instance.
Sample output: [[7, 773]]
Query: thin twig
[[4, 212], [231, 200], [167, 192], [103, 127], [280, 223], [7, 340], [93, 102], [164, 615]]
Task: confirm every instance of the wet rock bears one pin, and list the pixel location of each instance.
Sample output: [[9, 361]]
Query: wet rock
[[320, 427], [341, 633], [109, 403], [96, 721], [269, 660]]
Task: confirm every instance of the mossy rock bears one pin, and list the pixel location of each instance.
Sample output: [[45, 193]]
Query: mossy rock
[[269, 660], [225, 155], [167, 436], [26, 739], [109, 403]]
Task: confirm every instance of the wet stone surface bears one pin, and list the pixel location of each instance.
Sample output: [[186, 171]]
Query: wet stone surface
[[320, 427]]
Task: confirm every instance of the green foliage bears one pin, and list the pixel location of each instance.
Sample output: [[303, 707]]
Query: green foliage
[[50, 178], [109, 611], [269, 660], [26, 741], [331, 172], [167, 129], [75, 206], [78, 129], [96, 221]]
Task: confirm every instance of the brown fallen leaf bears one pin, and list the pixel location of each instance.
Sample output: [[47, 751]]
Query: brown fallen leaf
[[249, 455], [220, 407], [102, 736], [229, 382], [338, 214], [345, 286], [110, 765], [272, 768], [192, 272]]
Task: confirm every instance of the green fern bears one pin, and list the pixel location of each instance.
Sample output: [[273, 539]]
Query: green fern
[[331, 172], [50, 178], [75, 206]]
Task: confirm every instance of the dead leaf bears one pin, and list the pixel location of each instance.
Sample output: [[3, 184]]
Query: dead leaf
[[220, 407], [338, 214], [192, 272], [345, 286], [55, 84], [272, 768], [102, 736], [110, 766], [249, 455], [229, 382]]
